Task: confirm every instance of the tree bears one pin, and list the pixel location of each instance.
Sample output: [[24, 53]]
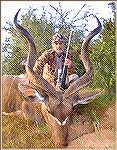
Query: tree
[[104, 58], [15, 49]]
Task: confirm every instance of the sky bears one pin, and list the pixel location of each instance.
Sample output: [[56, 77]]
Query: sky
[[9, 9]]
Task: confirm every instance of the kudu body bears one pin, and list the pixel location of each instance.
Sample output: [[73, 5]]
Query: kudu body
[[56, 113]]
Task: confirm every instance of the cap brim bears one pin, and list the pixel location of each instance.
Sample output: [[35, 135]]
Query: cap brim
[[60, 40]]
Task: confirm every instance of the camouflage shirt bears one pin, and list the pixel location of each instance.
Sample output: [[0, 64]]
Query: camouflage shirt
[[46, 65]]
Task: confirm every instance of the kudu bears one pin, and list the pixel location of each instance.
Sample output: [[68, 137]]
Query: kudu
[[57, 111]]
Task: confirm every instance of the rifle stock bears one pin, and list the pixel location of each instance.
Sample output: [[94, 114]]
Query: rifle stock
[[63, 78]]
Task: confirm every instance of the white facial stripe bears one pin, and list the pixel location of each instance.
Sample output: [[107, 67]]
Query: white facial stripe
[[59, 123], [64, 122], [39, 96]]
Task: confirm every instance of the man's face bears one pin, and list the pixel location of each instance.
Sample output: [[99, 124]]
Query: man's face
[[58, 46]]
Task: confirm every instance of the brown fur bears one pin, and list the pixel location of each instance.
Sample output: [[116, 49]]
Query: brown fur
[[15, 104], [11, 96]]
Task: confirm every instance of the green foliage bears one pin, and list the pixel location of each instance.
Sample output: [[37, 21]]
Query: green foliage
[[40, 29], [15, 49], [76, 52], [79, 67], [11, 65], [104, 58]]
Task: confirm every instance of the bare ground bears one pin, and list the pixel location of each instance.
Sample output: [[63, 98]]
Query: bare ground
[[84, 134]]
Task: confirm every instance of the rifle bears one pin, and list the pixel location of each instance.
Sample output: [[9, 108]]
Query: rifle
[[64, 73]]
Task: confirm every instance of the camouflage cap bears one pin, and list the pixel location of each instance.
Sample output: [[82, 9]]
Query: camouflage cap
[[57, 37]]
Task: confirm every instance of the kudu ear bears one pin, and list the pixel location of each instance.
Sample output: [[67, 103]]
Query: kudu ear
[[85, 97], [30, 94]]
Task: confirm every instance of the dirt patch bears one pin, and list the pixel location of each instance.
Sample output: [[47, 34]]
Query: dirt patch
[[105, 139], [83, 134], [107, 120], [83, 126]]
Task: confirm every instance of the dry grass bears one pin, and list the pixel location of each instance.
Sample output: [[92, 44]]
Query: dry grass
[[18, 133]]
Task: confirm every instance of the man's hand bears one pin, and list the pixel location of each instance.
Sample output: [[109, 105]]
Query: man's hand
[[68, 63], [58, 88]]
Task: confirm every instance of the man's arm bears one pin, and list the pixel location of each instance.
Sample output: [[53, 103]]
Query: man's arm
[[71, 69], [40, 62], [70, 64]]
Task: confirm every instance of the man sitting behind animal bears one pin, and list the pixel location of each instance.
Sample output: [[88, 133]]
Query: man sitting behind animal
[[51, 62]]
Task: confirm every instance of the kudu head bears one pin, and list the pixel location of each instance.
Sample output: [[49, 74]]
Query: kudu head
[[60, 104]]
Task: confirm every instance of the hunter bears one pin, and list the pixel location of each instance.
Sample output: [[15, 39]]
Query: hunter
[[51, 62]]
